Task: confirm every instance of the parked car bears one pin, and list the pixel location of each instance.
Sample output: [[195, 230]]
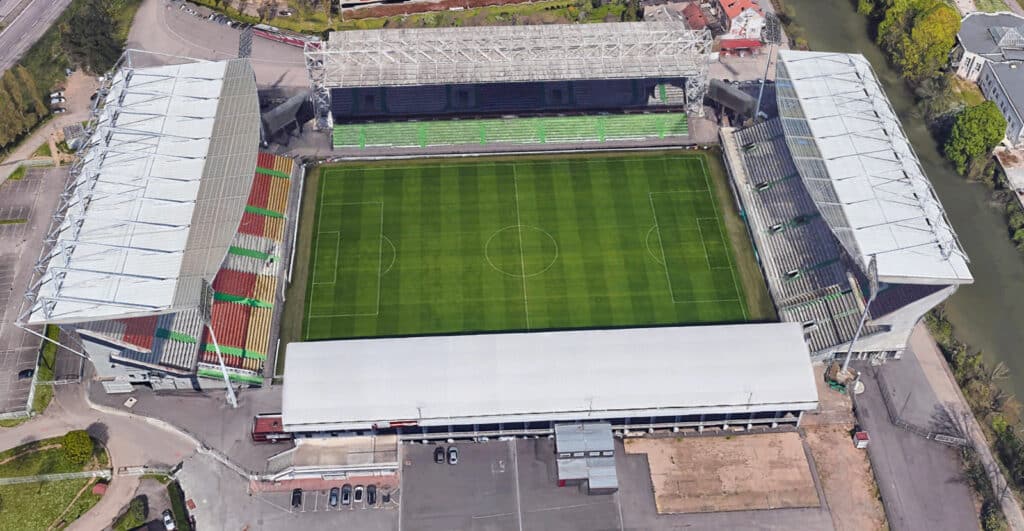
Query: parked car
[[346, 494], [284, 13], [332, 499], [297, 498], [26, 374], [439, 454], [371, 495], [357, 495], [386, 498], [58, 94], [169, 521], [58, 110], [453, 455], [58, 99]]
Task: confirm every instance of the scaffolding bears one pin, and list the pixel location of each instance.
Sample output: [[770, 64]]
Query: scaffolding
[[508, 54]]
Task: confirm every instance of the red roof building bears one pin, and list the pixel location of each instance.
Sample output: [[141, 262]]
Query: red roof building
[[732, 8], [694, 16]]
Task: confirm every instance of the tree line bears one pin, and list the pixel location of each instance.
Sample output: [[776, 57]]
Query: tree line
[[87, 35], [917, 36]]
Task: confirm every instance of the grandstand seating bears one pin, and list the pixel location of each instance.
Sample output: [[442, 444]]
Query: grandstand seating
[[511, 130], [391, 103], [805, 268], [245, 293]]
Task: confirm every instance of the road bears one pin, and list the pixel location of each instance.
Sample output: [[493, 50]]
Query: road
[[160, 26], [25, 30]]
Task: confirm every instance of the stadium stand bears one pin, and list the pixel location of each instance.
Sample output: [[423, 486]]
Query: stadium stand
[[806, 271], [353, 104], [245, 293], [511, 130]]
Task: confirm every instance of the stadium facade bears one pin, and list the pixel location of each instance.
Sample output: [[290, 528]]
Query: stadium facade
[[844, 219], [172, 231]]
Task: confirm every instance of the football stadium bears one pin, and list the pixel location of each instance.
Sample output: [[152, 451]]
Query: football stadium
[[516, 228]]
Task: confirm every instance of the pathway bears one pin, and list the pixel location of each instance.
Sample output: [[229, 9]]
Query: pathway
[[948, 392], [131, 440]]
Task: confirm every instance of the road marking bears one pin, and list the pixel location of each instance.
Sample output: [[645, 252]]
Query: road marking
[[515, 467], [618, 505]]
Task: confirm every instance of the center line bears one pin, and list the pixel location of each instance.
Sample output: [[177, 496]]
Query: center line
[[522, 257]]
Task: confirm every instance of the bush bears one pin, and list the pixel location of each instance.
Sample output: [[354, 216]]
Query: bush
[[135, 516], [181, 519], [78, 447]]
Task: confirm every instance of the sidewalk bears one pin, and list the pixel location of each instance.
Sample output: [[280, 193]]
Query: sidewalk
[[948, 392]]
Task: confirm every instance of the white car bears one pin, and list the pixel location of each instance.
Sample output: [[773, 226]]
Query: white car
[[57, 99], [168, 521], [57, 94]]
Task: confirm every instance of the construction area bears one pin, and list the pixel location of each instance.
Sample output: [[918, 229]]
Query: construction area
[[728, 473]]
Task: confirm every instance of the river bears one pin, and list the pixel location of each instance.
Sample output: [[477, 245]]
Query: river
[[984, 314]]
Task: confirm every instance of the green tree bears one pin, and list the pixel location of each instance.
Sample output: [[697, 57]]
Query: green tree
[[77, 446], [90, 36], [918, 34], [976, 130]]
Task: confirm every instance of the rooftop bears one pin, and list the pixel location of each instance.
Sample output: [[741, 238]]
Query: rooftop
[[861, 171], [733, 8], [997, 36], [158, 194], [506, 54], [1011, 77], [542, 376]]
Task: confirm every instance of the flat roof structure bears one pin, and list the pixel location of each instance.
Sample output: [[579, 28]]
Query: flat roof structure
[[996, 36], [506, 54], [859, 167], [157, 196], [546, 376]]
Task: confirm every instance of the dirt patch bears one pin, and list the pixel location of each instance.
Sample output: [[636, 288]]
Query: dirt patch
[[731, 473], [846, 478]]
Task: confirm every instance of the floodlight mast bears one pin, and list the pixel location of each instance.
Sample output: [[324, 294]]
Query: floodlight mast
[[873, 291], [223, 369]]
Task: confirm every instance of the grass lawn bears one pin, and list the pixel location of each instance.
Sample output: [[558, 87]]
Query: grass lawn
[[528, 243], [43, 150], [990, 6], [31, 506], [18, 174]]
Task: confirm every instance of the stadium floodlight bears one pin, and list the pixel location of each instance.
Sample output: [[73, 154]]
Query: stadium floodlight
[[873, 291], [223, 369]]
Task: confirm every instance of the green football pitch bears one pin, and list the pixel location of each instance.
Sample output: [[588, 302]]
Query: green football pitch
[[431, 247]]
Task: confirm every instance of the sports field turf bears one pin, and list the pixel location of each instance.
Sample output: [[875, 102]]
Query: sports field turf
[[518, 244]]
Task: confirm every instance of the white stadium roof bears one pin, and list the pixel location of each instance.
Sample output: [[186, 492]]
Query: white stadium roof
[[861, 171], [158, 194], [547, 376], [506, 54]]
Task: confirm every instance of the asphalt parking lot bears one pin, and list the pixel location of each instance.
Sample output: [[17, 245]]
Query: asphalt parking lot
[[497, 485]]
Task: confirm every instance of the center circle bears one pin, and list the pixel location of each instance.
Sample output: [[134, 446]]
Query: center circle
[[521, 251]]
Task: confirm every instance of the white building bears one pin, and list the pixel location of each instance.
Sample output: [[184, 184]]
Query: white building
[[1003, 84], [490, 385], [985, 38]]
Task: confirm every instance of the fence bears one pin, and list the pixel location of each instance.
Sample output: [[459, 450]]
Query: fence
[[105, 474], [894, 417]]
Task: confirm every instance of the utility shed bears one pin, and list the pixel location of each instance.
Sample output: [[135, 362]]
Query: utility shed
[[586, 453]]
